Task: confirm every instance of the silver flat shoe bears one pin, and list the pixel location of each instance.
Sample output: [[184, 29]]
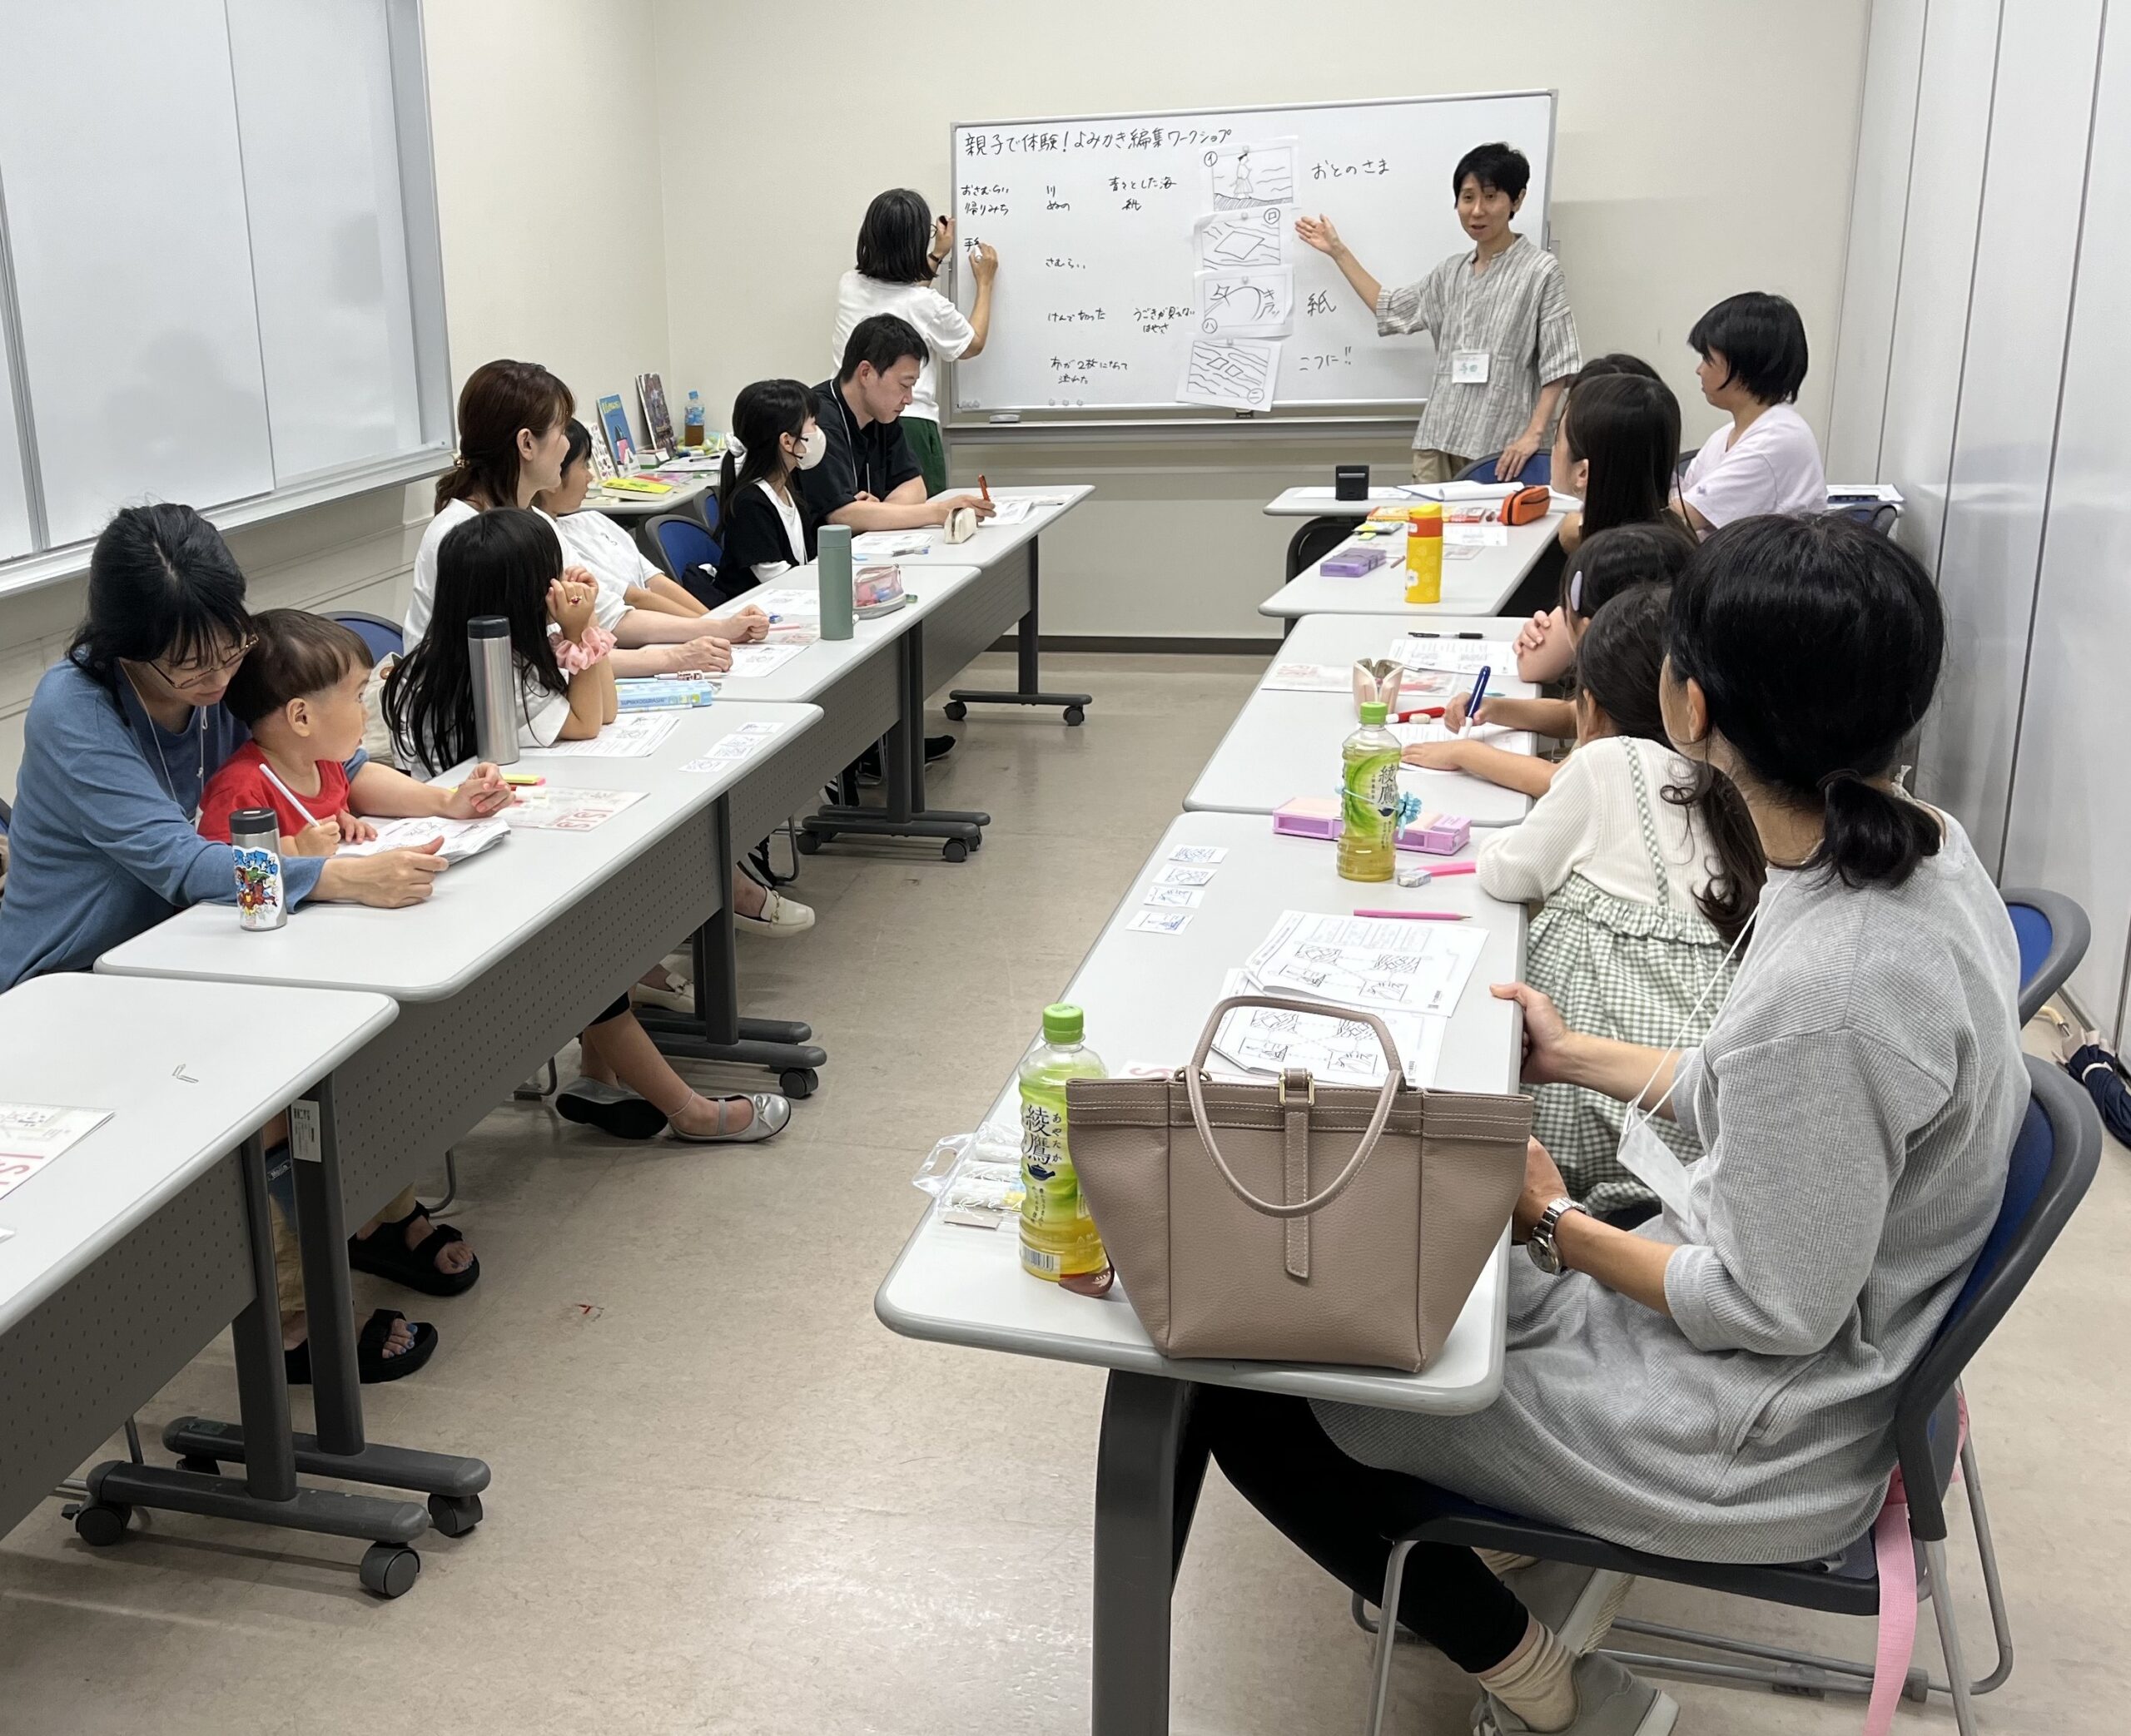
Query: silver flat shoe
[[771, 1112]]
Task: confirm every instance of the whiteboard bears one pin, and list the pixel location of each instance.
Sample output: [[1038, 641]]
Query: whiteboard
[[1142, 254]]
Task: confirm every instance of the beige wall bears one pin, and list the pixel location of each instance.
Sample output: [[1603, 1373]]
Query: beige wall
[[538, 263], [1702, 148]]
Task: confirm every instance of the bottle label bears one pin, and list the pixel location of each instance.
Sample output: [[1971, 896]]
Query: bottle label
[[259, 888], [1370, 794]]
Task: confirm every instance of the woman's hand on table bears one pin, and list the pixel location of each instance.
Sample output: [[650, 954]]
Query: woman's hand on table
[[744, 626], [390, 880], [482, 794]]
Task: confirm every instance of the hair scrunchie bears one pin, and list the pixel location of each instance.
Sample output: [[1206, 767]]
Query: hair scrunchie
[[575, 656]]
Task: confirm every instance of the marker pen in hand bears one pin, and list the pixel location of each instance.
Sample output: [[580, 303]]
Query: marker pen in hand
[[1479, 694], [985, 486]]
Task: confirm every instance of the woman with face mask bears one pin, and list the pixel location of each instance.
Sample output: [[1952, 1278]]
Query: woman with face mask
[[763, 521]]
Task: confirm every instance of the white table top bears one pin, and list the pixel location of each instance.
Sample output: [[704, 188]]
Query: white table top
[[1319, 502], [1147, 996], [993, 542], [1283, 744], [482, 907], [811, 673], [188, 1070], [1479, 583]]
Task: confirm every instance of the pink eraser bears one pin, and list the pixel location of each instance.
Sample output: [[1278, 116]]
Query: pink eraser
[[1441, 834], [1308, 816]]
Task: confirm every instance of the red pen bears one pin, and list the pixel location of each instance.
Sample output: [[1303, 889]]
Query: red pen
[[1416, 915], [1419, 711], [987, 488]]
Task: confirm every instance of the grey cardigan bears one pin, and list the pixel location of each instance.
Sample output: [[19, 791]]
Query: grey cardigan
[[1857, 1097]]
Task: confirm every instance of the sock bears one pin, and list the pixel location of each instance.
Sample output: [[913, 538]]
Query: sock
[[1500, 1561], [1535, 1681]]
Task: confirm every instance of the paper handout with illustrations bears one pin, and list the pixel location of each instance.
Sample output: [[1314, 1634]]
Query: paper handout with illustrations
[[1240, 376], [1242, 240], [1240, 176], [1337, 1050], [1245, 304], [1361, 961], [630, 736], [1458, 657], [462, 838]]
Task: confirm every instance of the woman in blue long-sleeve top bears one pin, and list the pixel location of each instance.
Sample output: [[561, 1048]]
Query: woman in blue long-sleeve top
[[120, 738]]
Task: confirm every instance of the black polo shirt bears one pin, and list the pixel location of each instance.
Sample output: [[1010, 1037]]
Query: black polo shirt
[[874, 459]]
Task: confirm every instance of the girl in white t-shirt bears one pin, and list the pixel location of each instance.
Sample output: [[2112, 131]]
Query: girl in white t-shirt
[[1765, 460], [901, 250], [508, 562]]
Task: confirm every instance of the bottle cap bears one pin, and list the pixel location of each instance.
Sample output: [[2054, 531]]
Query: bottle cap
[[1063, 1023], [1374, 711], [488, 627], [254, 823]]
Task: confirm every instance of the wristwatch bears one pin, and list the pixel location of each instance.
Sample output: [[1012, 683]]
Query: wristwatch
[[1541, 1247]]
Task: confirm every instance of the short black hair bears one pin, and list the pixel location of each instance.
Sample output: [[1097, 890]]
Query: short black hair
[[895, 242], [1499, 166], [298, 653], [578, 448], [1608, 563], [162, 583], [1613, 361], [1762, 341], [882, 340]]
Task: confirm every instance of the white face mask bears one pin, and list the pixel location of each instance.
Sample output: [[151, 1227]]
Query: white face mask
[[811, 448]]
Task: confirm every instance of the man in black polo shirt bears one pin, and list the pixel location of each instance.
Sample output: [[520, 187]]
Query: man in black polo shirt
[[867, 477]]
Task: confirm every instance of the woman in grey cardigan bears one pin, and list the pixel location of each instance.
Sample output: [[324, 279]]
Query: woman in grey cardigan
[[1719, 1384]]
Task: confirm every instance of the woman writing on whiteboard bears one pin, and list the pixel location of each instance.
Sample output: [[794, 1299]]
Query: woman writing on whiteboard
[[1505, 341], [901, 250]]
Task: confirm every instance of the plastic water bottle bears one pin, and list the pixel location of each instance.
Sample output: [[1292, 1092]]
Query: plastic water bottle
[[1424, 553], [1368, 804], [255, 836], [1059, 1239], [691, 422]]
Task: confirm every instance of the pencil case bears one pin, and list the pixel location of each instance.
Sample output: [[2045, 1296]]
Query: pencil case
[[1353, 562], [1528, 505]]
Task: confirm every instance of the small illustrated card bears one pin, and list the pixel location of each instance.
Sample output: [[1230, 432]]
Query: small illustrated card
[[1210, 855], [1160, 922], [1179, 873], [1186, 898]]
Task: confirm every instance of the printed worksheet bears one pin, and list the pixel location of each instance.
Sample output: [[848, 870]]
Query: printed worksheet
[[630, 736], [43, 1130], [743, 743], [462, 838], [786, 602], [1458, 657], [1510, 740], [889, 545], [1242, 240], [1223, 375], [1309, 678], [1372, 962], [751, 662], [557, 808], [1337, 1051]]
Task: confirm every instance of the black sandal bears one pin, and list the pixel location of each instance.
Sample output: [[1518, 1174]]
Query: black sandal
[[373, 1367], [385, 1254]]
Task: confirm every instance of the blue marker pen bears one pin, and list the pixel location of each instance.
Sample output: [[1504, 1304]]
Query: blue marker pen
[[1480, 693]]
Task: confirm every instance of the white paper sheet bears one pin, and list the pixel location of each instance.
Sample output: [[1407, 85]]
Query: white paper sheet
[[1337, 1051], [43, 1130], [1256, 304], [1203, 854], [558, 808], [751, 662], [1414, 734], [1160, 922], [743, 743], [1233, 376], [1176, 898], [462, 838], [1361, 961], [1460, 656], [1476, 536], [1240, 177], [885, 545], [632, 735], [1013, 511], [1309, 678], [1240, 240], [790, 603]]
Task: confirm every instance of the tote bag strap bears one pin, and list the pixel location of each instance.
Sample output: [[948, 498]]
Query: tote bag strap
[[1194, 1088]]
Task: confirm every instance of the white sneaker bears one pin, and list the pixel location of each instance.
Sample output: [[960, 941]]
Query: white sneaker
[[780, 916], [1579, 1604], [1610, 1701]]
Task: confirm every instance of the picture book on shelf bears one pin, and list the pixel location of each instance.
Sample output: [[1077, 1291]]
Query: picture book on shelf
[[657, 422], [615, 421]]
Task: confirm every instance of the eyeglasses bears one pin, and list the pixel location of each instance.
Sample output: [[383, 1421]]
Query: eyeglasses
[[196, 678]]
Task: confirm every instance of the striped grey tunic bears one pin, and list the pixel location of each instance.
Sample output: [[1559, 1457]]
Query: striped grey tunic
[[1857, 1097], [1518, 311]]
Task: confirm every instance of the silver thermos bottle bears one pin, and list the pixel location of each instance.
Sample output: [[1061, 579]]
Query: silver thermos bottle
[[255, 835], [495, 689]]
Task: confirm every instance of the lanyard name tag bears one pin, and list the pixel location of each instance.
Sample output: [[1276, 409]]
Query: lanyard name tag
[[1469, 367]]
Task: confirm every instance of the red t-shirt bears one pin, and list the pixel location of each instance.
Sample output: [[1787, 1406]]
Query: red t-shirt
[[245, 782]]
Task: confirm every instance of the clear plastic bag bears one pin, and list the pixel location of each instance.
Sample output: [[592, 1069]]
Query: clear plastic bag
[[975, 1178]]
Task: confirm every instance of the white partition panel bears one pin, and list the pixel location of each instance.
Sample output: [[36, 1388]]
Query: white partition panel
[[133, 259], [15, 537], [1945, 179], [1872, 269], [2071, 807], [329, 246], [1991, 545]]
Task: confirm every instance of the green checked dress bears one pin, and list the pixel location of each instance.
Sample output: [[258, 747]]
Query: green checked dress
[[1620, 945]]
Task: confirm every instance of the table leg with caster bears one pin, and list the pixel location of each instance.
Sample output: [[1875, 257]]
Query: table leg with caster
[[1027, 689]]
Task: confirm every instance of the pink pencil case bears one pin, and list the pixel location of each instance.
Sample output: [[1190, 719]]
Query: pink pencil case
[[1318, 817]]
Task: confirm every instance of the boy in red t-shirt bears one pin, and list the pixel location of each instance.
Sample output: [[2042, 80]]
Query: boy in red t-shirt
[[300, 693]]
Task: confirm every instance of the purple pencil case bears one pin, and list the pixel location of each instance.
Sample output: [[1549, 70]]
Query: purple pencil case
[[1353, 562], [1436, 835]]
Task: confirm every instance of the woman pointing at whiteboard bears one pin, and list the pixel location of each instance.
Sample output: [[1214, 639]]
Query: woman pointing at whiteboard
[[1505, 341]]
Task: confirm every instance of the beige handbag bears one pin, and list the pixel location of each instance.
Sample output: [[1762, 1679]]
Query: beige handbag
[[1296, 1223]]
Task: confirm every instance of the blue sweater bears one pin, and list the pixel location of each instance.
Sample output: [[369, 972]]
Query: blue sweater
[[101, 847]]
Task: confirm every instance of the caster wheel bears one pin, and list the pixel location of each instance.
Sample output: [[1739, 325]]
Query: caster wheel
[[101, 1524], [955, 850], [455, 1515], [797, 1082], [1075, 716], [809, 843], [956, 711], [199, 1466], [389, 1570]]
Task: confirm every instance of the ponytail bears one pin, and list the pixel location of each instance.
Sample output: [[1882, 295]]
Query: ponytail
[[764, 411], [1737, 869], [1872, 834], [498, 398]]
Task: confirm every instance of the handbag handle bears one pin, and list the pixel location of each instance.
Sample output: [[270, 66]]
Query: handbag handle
[[1194, 1088]]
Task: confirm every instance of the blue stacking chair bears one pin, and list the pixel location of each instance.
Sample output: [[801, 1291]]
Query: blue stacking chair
[[384, 638], [686, 545], [2053, 932], [2054, 1158], [1538, 468]]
